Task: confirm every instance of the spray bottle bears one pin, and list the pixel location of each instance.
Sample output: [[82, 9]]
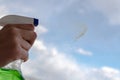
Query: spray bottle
[[12, 71]]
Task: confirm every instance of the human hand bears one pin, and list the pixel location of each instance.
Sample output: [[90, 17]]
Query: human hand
[[15, 42]]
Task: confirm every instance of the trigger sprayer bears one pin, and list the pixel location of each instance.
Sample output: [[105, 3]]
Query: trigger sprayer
[[15, 19]]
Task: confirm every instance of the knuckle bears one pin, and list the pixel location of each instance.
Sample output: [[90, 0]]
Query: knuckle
[[13, 37], [14, 42], [13, 31], [32, 27], [33, 37]]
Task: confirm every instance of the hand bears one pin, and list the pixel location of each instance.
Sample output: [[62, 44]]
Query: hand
[[15, 42]]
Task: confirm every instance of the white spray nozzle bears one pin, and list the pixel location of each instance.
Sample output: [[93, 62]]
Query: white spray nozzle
[[16, 19]]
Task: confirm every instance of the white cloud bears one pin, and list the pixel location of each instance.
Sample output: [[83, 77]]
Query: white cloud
[[84, 52], [109, 8], [20, 8], [105, 73], [110, 72], [51, 64], [41, 29]]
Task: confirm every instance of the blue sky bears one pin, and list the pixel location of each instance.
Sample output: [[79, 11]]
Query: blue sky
[[56, 47]]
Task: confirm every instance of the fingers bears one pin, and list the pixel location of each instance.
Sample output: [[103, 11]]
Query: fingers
[[20, 53], [24, 44], [24, 54], [26, 31], [25, 26], [23, 37], [28, 36], [21, 26]]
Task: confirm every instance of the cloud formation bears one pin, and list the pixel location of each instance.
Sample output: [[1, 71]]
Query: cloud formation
[[84, 52], [40, 29], [109, 8], [51, 64]]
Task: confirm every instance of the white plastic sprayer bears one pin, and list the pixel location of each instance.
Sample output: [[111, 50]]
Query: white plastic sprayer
[[16, 19]]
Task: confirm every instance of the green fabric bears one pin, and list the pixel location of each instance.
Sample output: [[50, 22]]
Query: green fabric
[[9, 74]]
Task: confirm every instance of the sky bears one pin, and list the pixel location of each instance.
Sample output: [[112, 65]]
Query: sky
[[76, 39]]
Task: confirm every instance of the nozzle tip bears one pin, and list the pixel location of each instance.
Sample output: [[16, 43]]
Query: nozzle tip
[[36, 22]]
